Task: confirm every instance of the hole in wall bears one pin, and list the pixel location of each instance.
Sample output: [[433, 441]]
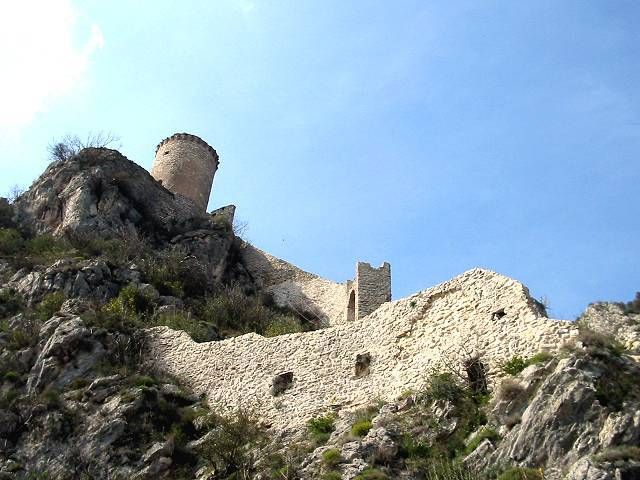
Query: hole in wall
[[351, 307], [363, 361], [498, 314], [281, 383]]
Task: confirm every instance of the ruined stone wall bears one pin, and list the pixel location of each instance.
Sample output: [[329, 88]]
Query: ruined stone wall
[[292, 287], [186, 165], [479, 311], [373, 287]]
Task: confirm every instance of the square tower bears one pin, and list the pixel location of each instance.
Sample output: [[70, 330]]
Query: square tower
[[370, 289]]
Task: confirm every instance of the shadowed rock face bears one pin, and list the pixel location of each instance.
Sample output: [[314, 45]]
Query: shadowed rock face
[[99, 191]]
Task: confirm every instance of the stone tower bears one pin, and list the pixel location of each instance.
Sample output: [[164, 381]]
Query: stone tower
[[370, 289], [186, 164]]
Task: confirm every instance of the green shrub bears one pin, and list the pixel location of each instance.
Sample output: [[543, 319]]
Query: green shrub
[[514, 365], [614, 387], [6, 214], [23, 335], [231, 446], [50, 398], [332, 476], [444, 386], [41, 249], [331, 458], [596, 342], [405, 394], [517, 364], [10, 302], [134, 301], [50, 305], [539, 357], [320, 428], [11, 242], [12, 376], [448, 470], [175, 272], [181, 320], [485, 433], [518, 473], [281, 325], [128, 396], [48, 247], [142, 381], [117, 251], [412, 448], [371, 474], [620, 453], [130, 309], [361, 428], [8, 398], [78, 383], [233, 313]]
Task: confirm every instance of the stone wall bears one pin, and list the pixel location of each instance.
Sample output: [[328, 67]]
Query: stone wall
[[186, 165], [372, 288], [294, 288], [478, 311], [330, 302]]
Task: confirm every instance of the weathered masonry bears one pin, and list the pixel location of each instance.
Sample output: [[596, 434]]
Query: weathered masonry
[[291, 378], [185, 165], [370, 289], [330, 302]]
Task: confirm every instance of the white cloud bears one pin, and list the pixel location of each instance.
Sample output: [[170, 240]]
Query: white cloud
[[41, 57]]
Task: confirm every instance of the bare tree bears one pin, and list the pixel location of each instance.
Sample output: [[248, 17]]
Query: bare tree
[[464, 361], [70, 145], [14, 192]]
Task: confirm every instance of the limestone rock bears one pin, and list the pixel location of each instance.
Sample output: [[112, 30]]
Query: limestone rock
[[53, 367], [158, 450], [585, 469], [564, 422], [610, 319], [88, 279], [101, 192]]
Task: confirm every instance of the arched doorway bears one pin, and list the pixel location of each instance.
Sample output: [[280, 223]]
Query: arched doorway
[[351, 307]]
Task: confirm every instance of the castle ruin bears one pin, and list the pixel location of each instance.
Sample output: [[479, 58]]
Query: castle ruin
[[368, 346], [185, 165]]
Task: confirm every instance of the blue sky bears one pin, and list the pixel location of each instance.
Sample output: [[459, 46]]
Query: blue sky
[[438, 136]]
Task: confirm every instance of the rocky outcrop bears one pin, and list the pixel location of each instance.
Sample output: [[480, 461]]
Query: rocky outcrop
[[99, 196], [69, 353], [101, 192], [76, 408], [87, 279], [566, 413], [611, 319]]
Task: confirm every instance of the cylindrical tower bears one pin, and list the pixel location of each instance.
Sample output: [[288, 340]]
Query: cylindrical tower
[[186, 164]]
